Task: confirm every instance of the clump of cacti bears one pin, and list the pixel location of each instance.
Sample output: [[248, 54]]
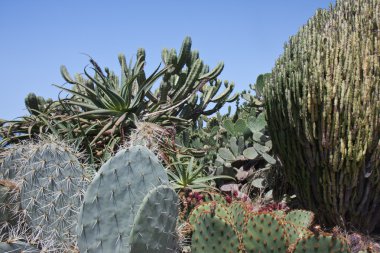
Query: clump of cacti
[[322, 103], [237, 229]]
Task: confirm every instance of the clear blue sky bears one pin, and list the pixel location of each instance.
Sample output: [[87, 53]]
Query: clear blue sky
[[36, 37]]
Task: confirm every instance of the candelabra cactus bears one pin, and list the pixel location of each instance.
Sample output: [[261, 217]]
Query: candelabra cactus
[[322, 103]]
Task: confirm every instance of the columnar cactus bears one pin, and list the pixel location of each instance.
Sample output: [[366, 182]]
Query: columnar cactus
[[323, 107]]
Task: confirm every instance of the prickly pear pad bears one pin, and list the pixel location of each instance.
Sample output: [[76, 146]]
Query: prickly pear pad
[[205, 206], [51, 192], [114, 197], [214, 206], [239, 213], [264, 233], [154, 229], [300, 218], [213, 234], [294, 232], [321, 243]]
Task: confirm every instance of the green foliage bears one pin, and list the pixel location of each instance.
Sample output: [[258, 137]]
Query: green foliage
[[322, 107]]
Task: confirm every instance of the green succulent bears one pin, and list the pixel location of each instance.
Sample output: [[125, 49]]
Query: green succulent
[[185, 173]]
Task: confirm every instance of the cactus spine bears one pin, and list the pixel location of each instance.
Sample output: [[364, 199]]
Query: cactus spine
[[323, 113]]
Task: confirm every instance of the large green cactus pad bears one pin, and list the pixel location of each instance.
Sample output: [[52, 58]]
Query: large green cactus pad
[[51, 192], [300, 218], [212, 234], [239, 214], [264, 233], [154, 228], [321, 243], [114, 197]]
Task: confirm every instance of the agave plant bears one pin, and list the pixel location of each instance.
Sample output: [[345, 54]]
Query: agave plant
[[185, 173]]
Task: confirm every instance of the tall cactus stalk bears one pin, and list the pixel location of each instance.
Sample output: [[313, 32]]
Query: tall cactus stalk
[[323, 107]]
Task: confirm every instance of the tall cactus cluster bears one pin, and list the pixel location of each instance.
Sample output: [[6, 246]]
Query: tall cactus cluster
[[323, 110], [234, 228]]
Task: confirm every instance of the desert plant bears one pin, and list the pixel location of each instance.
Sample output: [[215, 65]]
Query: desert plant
[[322, 103], [186, 174], [50, 184], [234, 228], [102, 108], [119, 211]]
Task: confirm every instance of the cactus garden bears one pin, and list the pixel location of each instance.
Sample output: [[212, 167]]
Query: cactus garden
[[174, 159]]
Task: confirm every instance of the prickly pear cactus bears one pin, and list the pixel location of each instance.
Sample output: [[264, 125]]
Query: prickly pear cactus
[[51, 192], [211, 206], [14, 159], [9, 207], [239, 214], [154, 228], [213, 234], [321, 243], [300, 218], [264, 233], [113, 199]]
